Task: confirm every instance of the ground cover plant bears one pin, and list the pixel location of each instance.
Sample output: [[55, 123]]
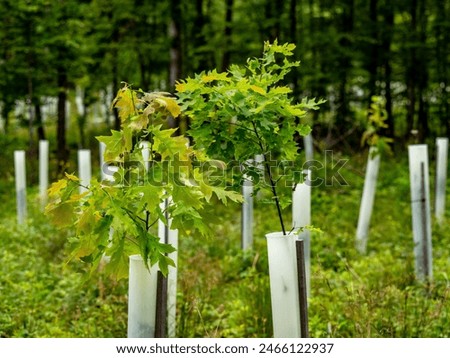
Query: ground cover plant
[[224, 292]]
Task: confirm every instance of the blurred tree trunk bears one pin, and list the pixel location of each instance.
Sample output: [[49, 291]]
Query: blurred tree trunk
[[62, 154], [411, 71], [386, 41], [273, 14], [442, 31], [201, 46], [115, 73], [422, 71], [175, 70], [346, 26], [176, 60], [227, 34], [293, 20], [7, 107], [38, 118], [374, 48]]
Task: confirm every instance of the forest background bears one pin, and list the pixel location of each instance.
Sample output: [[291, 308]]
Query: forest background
[[57, 53]]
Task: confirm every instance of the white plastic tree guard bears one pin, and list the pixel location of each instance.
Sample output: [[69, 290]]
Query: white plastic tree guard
[[420, 205], [142, 288], [284, 285], [365, 210], [247, 214], [79, 95], [441, 177], [259, 164], [145, 147], [43, 172], [309, 150], [301, 217], [84, 168], [102, 147], [21, 193], [170, 236]]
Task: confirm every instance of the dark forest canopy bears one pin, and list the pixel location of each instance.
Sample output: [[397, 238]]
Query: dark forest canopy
[[350, 50]]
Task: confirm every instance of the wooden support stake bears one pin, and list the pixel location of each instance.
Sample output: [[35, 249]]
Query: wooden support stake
[[302, 290], [161, 307]]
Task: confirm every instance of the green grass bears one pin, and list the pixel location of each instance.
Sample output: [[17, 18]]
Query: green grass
[[224, 292]]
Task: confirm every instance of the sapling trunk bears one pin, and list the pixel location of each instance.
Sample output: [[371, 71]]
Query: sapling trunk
[[273, 188], [273, 185]]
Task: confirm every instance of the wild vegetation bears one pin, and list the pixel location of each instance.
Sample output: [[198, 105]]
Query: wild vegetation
[[224, 292]]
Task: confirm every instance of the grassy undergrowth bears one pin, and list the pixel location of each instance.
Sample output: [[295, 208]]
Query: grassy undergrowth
[[224, 292]]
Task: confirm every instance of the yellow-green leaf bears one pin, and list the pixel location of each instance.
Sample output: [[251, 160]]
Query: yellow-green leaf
[[124, 102], [61, 215], [258, 89], [72, 177], [170, 104], [55, 188], [280, 90]]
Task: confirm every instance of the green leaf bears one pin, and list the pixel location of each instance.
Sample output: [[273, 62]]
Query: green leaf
[[169, 146], [118, 265], [223, 195], [61, 215], [116, 144]]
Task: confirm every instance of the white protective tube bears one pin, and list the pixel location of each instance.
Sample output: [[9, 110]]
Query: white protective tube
[[21, 192], [301, 217], [441, 177], [170, 236], [43, 172], [420, 205], [84, 168], [141, 299], [259, 164], [145, 147], [102, 147], [308, 143], [247, 215], [365, 210], [284, 285]]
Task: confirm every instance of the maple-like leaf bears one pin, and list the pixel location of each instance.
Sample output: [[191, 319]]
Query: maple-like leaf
[[170, 146], [124, 102], [61, 215], [116, 144], [170, 104], [56, 187]]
